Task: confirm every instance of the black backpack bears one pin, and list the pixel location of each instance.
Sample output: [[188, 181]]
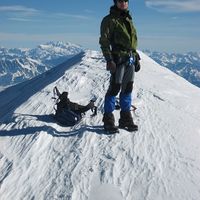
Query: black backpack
[[65, 117], [68, 117]]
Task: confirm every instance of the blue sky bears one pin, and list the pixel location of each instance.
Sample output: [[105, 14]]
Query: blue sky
[[162, 25]]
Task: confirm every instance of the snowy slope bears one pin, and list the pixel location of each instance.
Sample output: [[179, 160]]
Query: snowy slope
[[41, 160]]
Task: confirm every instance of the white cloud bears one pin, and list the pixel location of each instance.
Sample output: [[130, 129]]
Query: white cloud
[[20, 19], [174, 5], [20, 13], [78, 38], [28, 40], [169, 43], [74, 16], [17, 8], [89, 11]]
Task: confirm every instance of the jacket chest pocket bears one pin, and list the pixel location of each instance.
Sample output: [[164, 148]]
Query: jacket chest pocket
[[121, 35]]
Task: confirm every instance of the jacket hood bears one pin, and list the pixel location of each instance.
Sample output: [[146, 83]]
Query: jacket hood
[[114, 10]]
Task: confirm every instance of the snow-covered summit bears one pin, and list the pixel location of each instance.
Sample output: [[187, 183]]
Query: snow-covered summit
[[54, 49], [62, 45], [41, 160]]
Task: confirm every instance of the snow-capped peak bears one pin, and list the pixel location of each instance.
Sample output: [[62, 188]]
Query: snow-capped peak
[[60, 47], [44, 56]]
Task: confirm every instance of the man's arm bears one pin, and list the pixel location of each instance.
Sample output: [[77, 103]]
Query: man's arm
[[105, 38]]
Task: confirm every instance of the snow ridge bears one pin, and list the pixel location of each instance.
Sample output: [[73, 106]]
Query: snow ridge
[[44, 160]]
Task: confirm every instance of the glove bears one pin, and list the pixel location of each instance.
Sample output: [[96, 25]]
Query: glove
[[111, 66], [137, 62]]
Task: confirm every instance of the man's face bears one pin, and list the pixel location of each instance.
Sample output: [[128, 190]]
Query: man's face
[[122, 4]]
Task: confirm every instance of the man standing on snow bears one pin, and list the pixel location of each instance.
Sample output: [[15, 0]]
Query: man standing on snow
[[118, 42]]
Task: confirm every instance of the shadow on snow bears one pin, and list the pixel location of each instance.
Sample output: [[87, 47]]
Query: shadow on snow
[[52, 131], [49, 129]]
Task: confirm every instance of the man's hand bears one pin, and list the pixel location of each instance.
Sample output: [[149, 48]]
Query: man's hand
[[137, 63], [111, 66]]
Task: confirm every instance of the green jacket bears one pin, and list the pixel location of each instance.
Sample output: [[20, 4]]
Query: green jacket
[[118, 35]]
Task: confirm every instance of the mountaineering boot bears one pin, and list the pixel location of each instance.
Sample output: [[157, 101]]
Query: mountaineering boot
[[109, 123], [126, 121]]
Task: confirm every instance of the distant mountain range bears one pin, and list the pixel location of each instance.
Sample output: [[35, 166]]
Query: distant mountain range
[[17, 65], [186, 65]]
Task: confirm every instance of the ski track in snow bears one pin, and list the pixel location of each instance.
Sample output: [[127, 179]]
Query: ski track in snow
[[39, 159]]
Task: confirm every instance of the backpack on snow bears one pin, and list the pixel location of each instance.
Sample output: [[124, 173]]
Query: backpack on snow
[[66, 117]]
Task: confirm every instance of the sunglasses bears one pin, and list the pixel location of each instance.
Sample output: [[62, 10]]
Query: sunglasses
[[121, 1]]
